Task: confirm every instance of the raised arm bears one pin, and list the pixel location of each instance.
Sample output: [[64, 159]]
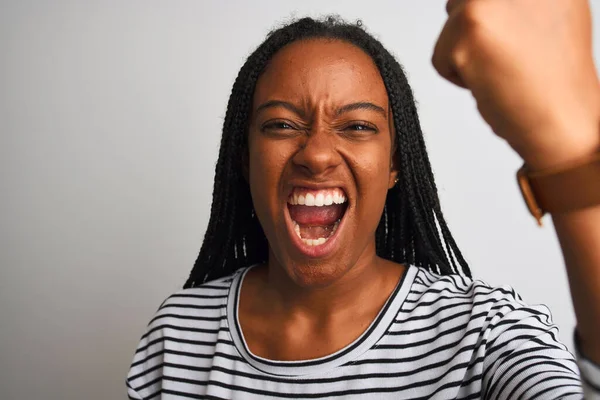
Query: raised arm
[[529, 65]]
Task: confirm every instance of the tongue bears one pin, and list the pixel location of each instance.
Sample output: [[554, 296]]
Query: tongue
[[316, 216]]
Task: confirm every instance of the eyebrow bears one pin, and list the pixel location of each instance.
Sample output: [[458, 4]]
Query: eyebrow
[[363, 105], [279, 103]]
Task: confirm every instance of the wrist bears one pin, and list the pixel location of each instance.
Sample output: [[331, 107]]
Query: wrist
[[564, 149], [564, 134], [561, 189]]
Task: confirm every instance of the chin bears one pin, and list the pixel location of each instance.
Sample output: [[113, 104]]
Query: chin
[[307, 272], [316, 273]]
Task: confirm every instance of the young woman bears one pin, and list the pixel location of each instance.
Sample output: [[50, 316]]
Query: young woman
[[328, 270]]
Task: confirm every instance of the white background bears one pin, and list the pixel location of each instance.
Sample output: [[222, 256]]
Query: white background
[[110, 118]]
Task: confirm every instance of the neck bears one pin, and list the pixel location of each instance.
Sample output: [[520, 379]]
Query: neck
[[361, 288]]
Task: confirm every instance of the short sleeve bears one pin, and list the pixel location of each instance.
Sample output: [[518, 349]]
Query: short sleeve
[[524, 358]]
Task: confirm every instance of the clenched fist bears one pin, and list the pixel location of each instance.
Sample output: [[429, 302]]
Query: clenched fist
[[530, 67]]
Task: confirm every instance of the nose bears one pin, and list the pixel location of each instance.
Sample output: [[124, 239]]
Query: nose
[[317, 154]]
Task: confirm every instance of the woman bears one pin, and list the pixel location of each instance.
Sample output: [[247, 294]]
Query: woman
[[327, 269]]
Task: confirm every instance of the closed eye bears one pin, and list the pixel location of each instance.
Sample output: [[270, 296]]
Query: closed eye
[[279, 129], [278, 125], [360, 127]]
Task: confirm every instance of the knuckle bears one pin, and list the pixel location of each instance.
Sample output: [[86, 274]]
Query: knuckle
[[474, 13], [474, 30], [459, 56], [473, 20]]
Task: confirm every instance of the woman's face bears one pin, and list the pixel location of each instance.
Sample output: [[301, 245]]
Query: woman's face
[[320, 159]]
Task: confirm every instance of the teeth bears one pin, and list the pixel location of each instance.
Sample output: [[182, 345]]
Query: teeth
[[335, 226], [314, 242], [320, 198], [297, 229]]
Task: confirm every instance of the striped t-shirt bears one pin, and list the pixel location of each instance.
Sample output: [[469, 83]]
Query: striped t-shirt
[[437, 337]]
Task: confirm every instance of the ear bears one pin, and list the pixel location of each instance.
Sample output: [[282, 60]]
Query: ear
[[393, 177]]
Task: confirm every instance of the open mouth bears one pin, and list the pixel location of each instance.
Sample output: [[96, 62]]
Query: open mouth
[[316, 214]]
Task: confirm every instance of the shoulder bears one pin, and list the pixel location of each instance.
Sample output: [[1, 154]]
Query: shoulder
[[486, 317], [187, 326], [203, 305], [493, 330], [199, 311], [206, 296], [459, 294], [428, 283]]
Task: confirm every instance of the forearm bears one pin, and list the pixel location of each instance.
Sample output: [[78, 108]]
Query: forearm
[[579, 236], [578, 233]]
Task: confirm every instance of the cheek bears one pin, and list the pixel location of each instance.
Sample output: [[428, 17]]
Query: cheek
[[373, 187], [267, 163], [372, 166], [372, 171]]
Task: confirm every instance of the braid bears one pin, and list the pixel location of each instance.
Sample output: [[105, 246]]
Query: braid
[[412, 228]]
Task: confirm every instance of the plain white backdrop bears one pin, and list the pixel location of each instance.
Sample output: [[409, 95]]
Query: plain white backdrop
[[110, 118]]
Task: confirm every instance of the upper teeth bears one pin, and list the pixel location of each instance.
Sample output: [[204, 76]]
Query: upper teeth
[[318, 198]]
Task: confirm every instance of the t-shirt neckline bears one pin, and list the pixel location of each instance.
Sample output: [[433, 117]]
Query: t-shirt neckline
[[368, 339]]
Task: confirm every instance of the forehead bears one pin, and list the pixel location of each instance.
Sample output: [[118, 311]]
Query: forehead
[[321, 70]]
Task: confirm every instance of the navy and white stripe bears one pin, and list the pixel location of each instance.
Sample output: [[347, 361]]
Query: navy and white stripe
[[437, 337]]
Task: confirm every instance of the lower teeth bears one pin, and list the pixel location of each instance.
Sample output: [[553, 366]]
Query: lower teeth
[[315, 242]]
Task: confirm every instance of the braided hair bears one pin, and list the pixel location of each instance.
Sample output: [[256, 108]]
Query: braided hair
[[412, 228]]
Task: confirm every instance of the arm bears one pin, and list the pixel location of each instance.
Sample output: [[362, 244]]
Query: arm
[[579, 236], [529, 66]]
